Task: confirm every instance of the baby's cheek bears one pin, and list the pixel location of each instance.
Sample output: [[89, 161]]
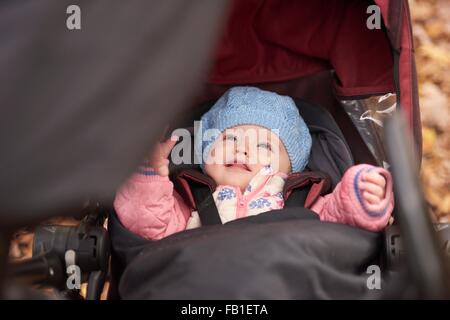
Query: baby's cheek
[[214, 171], [263, 158], [216, 156], [280, 162]]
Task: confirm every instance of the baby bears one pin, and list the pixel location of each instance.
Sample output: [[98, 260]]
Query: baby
[[256, 139]]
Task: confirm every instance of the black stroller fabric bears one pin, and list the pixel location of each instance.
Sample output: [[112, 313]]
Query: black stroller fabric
[[329, 152], [77, 106], [276, 255]]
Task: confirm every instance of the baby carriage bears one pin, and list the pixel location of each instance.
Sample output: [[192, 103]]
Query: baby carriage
[[350, 66]]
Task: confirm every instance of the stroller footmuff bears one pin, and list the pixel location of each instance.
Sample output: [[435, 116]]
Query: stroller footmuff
[[275, 255]]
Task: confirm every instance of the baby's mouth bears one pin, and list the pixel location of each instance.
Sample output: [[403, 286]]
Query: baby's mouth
[[240, 166]]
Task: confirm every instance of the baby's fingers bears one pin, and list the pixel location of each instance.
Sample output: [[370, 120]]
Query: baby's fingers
[[372, 188], [375, 178], [167, 146], [371, 198], [161, 151]]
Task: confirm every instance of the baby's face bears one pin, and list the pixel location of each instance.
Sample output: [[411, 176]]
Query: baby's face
[[239, 153]]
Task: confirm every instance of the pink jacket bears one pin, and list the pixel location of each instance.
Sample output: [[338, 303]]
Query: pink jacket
[[148, 206]]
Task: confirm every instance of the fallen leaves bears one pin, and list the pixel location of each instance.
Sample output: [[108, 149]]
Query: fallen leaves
[[431, 29], [433, 103]]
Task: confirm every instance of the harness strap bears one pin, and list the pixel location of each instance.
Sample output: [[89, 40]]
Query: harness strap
[[206, 207], [297, 197], [197, 188]]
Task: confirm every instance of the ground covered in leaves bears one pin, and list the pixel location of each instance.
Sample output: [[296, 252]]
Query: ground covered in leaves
[[431, 28]]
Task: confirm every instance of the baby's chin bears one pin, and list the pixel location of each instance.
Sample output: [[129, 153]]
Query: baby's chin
[[237, 177], [241, 184], [230, 176]]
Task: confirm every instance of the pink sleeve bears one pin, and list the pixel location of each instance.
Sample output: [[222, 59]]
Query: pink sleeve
[[148, 206], [346, 204]]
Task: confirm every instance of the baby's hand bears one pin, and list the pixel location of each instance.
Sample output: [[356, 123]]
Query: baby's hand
[[158, 159], [373, 187]]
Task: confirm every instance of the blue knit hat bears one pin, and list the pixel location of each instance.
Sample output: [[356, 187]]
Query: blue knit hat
[[253, 106]]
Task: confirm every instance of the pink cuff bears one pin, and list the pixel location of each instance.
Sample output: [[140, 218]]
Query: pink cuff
[[147, 174]]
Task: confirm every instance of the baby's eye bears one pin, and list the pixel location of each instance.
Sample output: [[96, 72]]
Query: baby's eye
[[265, 145], [230, 137]]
